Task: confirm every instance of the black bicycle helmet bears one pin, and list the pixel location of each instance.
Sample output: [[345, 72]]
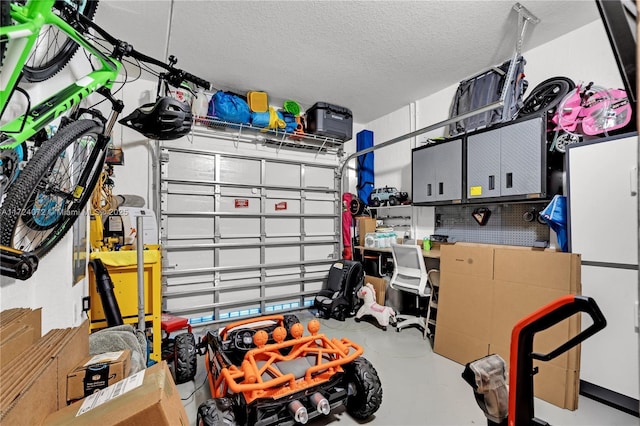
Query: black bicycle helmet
[[166, 119]]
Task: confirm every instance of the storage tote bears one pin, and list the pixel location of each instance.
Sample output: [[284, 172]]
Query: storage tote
[[330, 120]]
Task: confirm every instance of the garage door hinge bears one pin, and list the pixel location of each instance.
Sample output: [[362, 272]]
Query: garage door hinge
[[164, 156]]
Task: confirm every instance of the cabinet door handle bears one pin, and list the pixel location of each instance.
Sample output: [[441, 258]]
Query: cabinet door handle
[[633, 181], [509, 183], [429, 190], [492, 182], [440, 188]]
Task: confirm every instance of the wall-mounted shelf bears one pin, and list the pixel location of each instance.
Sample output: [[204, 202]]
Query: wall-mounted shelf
[[271, 137]]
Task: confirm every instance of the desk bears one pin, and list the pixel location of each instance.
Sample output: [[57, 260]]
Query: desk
[[434, 253]]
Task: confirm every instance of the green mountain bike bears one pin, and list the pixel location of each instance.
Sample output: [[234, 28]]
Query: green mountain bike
[[45, 182]]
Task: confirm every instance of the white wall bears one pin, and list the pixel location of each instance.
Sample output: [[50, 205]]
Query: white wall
[[581, 55]]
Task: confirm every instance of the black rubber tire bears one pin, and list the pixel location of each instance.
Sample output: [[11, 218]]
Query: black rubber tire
[[393, 201], [374, 202], [5, 21], [58, 46], [368, 396], [216, 412], [546, 96], [289, 321], [47, 178], [185, 357]]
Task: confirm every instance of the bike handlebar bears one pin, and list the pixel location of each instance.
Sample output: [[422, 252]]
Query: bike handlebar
[[175, 76]]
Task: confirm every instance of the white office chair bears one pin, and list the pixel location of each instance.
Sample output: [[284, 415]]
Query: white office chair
[[410, 275]]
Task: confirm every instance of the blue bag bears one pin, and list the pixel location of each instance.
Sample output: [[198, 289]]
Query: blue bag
[[555, 214], [231, 108]]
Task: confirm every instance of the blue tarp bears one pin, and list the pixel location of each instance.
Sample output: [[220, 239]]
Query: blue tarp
[[366, 176]]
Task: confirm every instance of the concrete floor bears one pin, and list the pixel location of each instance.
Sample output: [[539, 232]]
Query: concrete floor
[[419, 386]]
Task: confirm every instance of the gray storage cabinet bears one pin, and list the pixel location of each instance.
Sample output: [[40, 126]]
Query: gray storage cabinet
[[508, 161], [437, 173]]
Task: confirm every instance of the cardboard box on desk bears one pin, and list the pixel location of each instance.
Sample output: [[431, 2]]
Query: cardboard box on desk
[[97, 372], [149, 397], [486, 289]]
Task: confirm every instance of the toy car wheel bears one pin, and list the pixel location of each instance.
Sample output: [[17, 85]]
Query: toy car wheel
[[216, 412], [393, 201], [185, 357], [368, 390], [289, 321], [375, 202]]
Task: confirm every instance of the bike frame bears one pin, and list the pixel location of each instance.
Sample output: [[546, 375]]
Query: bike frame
[[30, 19]]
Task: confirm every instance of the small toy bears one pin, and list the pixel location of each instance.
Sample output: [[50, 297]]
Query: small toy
[[385, 315]]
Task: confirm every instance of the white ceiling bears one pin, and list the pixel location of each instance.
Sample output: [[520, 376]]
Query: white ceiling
[[370, 56]]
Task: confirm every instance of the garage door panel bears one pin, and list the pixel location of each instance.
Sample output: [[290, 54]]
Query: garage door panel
[[174, 304], [319, 207], [326, 196], [313, 286], [238, 295], [282, 290], [253, 193], [239, 170], [282, 174], [239, 256], [318, 177], [282, 254], [282, 226], [283, 272], [240, 205], [184, 188], [189, 166], [195, 203], [319, 226], [282, 206], [183, 227], [282, 193], [232, 279], [190, 259], [239, 227], [318, 252]]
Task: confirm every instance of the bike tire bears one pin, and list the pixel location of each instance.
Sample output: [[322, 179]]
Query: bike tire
[[546, 96], [54, 49], [53, 189], [5, 21]]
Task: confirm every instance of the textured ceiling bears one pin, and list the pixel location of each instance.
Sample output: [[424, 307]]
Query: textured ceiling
[[370, 56]]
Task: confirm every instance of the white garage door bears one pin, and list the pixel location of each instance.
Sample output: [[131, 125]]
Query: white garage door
[[247, 228]]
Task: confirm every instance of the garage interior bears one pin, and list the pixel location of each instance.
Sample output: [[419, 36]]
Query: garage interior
[[368, 140]]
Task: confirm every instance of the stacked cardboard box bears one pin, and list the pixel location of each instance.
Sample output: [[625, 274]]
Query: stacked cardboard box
[[97, 372], [486, 289], [34, 382], [149, 397]]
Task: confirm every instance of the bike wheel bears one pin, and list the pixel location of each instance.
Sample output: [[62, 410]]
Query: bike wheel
[[54, 187], [546, 96], [54, 48], [5, 21]]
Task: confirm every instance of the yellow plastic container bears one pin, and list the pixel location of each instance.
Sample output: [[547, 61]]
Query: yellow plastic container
[[258, 101]]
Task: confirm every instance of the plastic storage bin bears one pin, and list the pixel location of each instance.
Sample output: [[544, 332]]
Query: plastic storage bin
[[330, 120]]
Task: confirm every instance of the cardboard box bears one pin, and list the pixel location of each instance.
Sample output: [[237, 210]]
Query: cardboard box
[[380, 285], [19, 329], [97, 372], [486, 289], [34, 385], [149, 397], [365, 225]]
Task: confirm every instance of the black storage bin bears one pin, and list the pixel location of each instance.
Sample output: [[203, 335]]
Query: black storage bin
[[330, 120]]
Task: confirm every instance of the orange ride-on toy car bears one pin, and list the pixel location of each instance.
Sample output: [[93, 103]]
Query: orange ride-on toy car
[[264, 371]]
